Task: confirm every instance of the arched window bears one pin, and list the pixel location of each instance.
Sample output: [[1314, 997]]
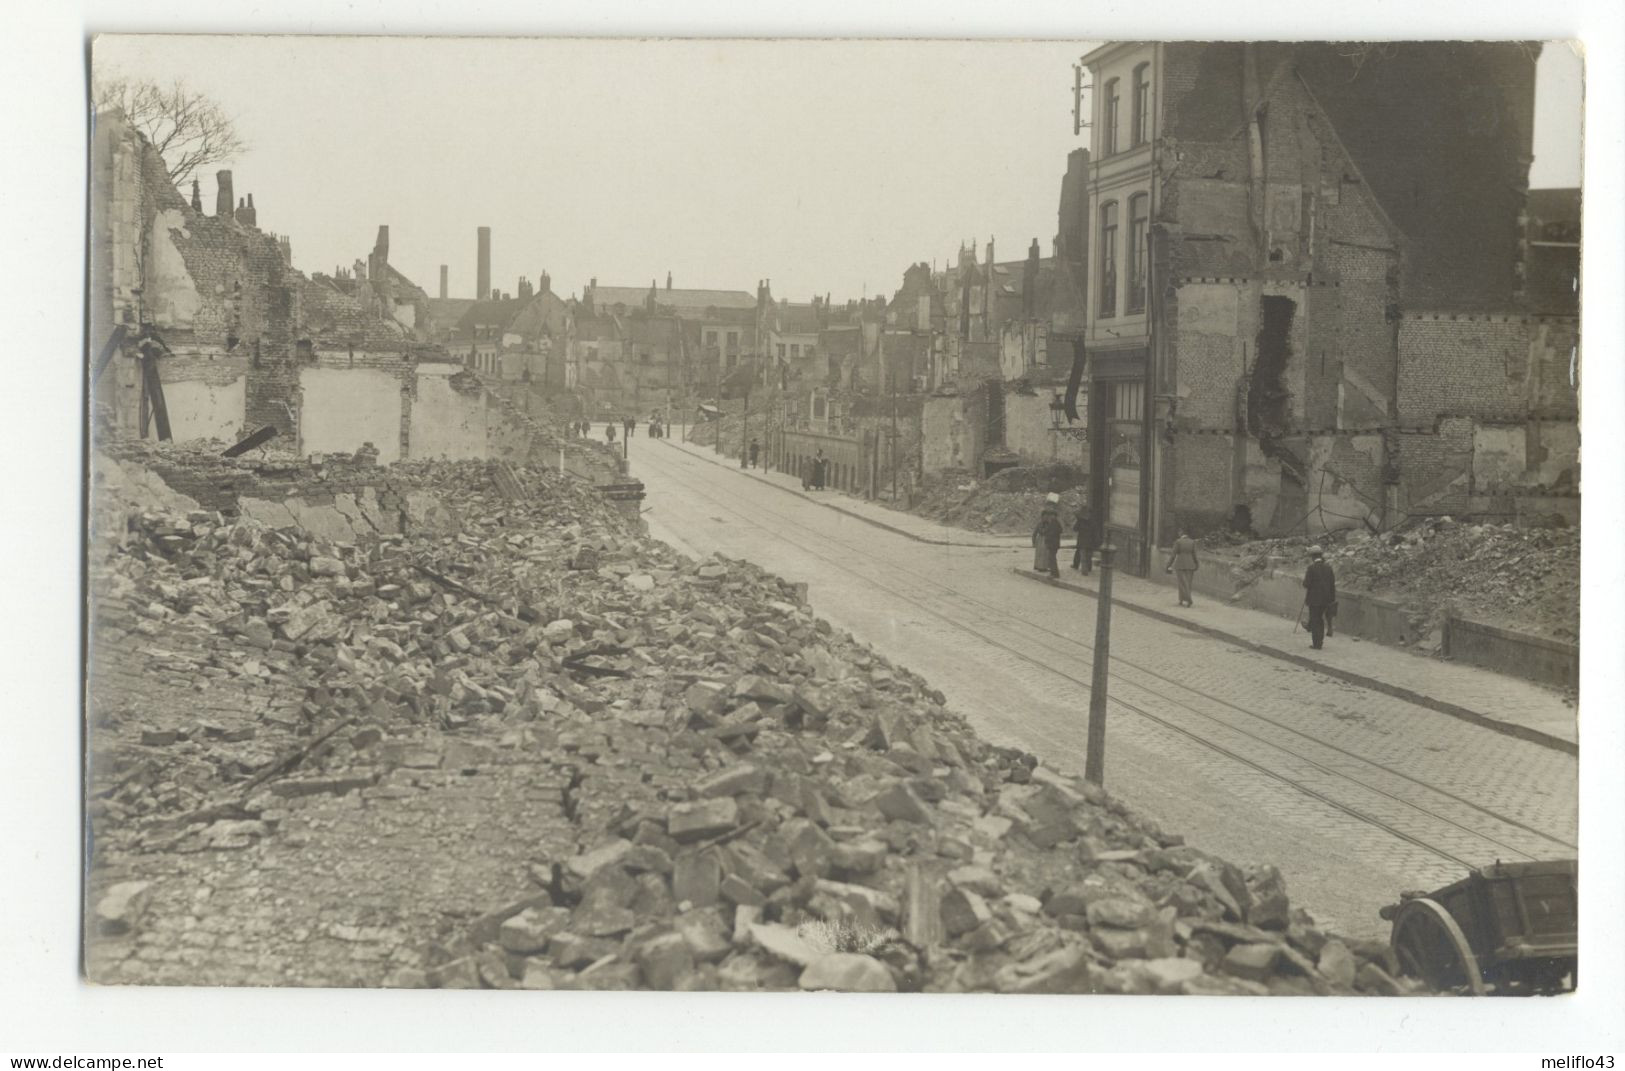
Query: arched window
[[1108, 119], [1138, 228], [1108, 260], [1142, 104]]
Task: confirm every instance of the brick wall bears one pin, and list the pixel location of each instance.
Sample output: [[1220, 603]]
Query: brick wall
[[1201, 466], [1485, 365]]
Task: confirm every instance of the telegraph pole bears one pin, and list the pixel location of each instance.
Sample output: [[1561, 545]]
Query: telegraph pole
[[1094, 769], [744, 428], [894, 436]]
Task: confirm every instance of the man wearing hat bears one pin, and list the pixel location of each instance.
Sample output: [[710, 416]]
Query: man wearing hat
[[1047, 538], [1320, 593], [1183, 561]]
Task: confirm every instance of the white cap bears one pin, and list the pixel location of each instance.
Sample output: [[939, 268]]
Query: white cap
[[1052, 498]]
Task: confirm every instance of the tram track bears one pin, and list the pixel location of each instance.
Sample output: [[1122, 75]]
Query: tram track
[[1382, 806]]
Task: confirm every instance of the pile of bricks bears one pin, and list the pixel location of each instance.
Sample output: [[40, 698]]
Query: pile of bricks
[[748, 799]]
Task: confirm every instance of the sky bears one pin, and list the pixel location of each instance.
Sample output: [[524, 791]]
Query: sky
[[826, 167]]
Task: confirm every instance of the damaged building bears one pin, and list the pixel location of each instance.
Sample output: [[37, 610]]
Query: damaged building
[[1306, 304], [201, 328]]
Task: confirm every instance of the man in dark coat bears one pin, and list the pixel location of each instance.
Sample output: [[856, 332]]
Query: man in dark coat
[[1083, 556], [1320, 594], [755, 452], [1047, 539]]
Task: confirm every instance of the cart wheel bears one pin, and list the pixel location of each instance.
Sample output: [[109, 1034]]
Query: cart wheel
[[1430, 946]]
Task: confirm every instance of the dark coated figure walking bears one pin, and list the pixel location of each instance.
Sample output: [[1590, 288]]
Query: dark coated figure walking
[[1320, 595], [1047, 539], [1083, 555]]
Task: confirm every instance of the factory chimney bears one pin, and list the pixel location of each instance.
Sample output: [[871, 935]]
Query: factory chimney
[[482, 276]]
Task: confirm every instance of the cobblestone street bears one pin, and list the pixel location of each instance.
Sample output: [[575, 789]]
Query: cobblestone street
[[1354, 794]]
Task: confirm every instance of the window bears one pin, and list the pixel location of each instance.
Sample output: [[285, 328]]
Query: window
[[710, 338], [1128, 401], [733, 340], [795, 350], [1142, 104], [1138, 222], [1108, 259], [1108, 120], [780, 351]]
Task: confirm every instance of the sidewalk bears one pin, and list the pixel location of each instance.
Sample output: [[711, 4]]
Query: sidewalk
[[1502, 704], [903, 524]]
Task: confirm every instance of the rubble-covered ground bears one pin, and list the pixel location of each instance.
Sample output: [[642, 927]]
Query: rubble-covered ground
[[1007, 503], [519, 745], [1521, 578]]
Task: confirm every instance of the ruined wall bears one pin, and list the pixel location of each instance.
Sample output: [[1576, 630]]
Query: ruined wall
[[1490, 366], [1281, 323], [1490, 405], [1027, 431], [448, 414], [342, 408], [205, 395], [948, 441]]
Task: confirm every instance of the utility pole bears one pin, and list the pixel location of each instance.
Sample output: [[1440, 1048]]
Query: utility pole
[[744, 429], [1094, 769], [894, 436]]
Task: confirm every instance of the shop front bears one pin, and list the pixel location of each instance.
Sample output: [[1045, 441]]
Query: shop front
[[1118, 448]]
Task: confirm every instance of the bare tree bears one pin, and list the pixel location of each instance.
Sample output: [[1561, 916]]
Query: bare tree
[[188, 129]]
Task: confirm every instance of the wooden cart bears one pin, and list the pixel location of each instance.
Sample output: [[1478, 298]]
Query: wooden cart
[[1509, 929]]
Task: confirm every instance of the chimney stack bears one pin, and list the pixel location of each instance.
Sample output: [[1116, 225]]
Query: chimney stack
[[197, 200], [482, 276], [442, 282], [223, 202], [668, 280], [245, 212]]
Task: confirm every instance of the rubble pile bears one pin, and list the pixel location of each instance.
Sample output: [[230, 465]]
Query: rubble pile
[[727, 793], [1006, 503], [1522, 578]]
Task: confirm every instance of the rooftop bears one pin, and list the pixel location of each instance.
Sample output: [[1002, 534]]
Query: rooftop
[[689, 300]]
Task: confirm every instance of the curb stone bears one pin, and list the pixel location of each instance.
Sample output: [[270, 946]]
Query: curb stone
[[1505, 728]]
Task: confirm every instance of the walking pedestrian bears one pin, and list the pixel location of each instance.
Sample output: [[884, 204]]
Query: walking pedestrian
[[755, 452], [1083, 555], [1183, 562], [609, 431], [1320, 594], [820, 463], [631, 425], [1047, 538]]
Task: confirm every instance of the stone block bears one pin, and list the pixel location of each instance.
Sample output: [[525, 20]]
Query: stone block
[[963, 911], [699, 820], [1254, 962], [1064, 970], [847, 972]]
